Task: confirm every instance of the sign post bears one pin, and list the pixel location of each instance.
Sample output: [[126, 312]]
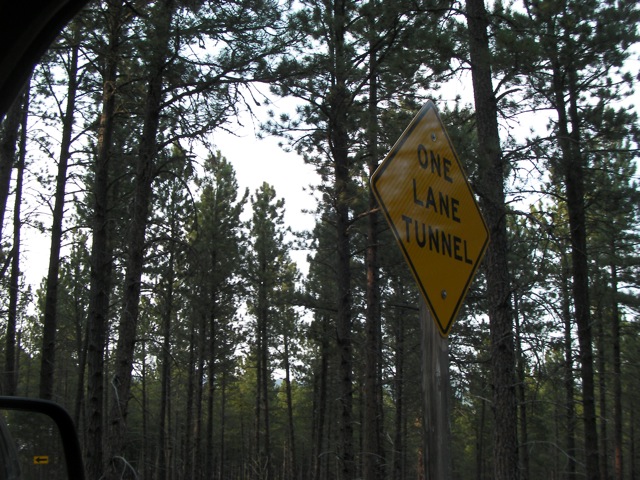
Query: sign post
[[435, 386], [425, 197]]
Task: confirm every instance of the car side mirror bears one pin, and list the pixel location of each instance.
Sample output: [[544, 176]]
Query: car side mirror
[[38, 440]]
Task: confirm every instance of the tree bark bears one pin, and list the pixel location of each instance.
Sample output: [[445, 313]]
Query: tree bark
[[101, 256], [338, 98], [373, 454], [491, 182]]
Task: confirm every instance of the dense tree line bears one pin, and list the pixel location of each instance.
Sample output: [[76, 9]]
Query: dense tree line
[[173, 323]]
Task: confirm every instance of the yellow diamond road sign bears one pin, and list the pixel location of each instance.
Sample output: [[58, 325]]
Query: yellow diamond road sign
[[426, 199]]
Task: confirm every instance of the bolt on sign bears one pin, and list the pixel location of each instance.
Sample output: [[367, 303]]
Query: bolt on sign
[[425, 197]]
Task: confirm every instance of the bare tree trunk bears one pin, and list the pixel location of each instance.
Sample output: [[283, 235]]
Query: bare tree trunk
[[492, 177]]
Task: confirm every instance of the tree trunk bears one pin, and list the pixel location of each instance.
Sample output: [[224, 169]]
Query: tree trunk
[[101, 257], [189, 423], [632, 441], [573, 172], [491, 182], [522, 400], [145, 172], [264, 431], [617, 376], [222, 428], [399, 450], [82, 342], [209, 455], [196, 457], [290, 473], [570, 413], [320, 403], [373, 455], [165, 387], [11, 350], [144, 451], [480, 460], [8, 141], [602, 387], [47, 365], [339, 145]]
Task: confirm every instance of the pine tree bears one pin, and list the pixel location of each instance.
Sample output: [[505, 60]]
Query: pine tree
[[267, 272], [612, 221], [577, 70], [491, 190], [215, 292], [9, 130], [10, 383], [50, 320], [102, 243]]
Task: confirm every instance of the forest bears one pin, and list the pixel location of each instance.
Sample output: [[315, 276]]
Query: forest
[[173, 322]]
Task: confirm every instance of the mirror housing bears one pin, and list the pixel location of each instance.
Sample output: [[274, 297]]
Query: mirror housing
[[59, 417]]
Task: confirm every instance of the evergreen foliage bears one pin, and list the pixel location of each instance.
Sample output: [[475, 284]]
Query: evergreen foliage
[[184, 339]]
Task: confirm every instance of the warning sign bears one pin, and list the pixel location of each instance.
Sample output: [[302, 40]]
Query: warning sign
[[427, 201], [41, 460]]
